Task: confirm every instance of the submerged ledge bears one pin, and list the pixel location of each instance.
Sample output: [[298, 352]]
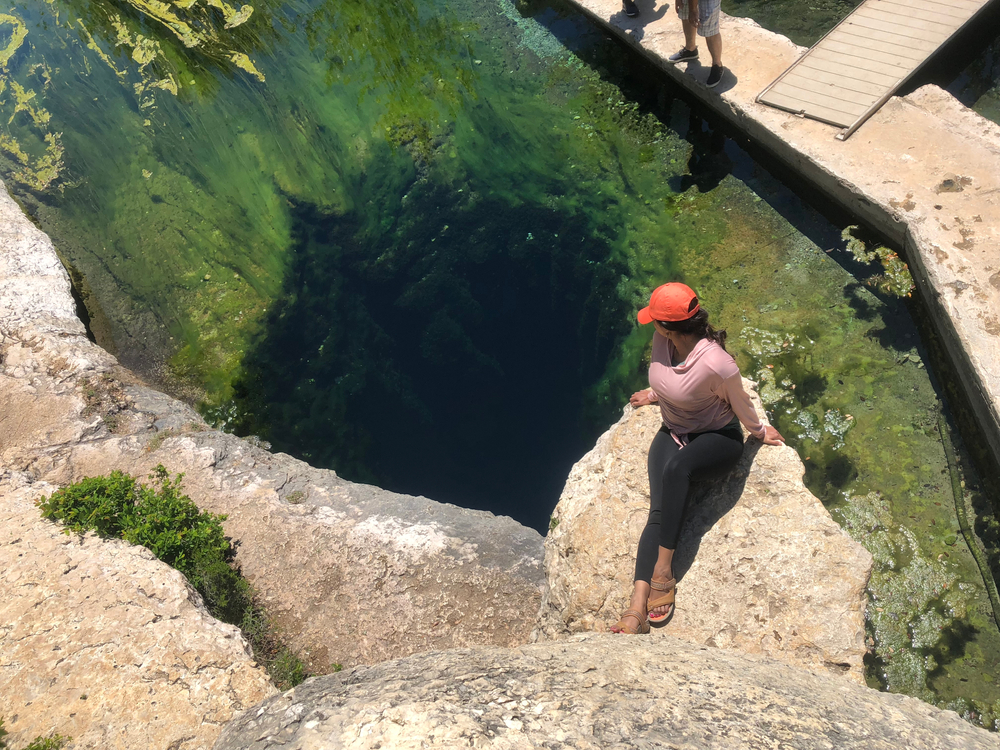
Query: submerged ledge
[[924, 171]]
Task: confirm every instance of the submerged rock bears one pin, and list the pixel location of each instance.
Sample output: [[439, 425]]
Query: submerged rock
[[761, 566], [595, 691], [103, 643]]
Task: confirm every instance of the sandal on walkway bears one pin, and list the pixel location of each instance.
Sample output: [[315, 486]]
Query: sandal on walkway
[[623, 627], [670, 587]]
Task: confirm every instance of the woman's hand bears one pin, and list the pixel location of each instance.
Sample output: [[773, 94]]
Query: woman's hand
[[772, 436], [641, 398]]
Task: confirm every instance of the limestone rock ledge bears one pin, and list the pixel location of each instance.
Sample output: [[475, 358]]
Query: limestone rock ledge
[[595, 692], [101, 642], [350, 573], [761, 566]]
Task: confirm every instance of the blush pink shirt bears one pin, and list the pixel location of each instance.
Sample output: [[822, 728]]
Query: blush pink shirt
[[701, 394]]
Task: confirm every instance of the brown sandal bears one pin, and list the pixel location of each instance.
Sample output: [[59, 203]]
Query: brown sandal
[[628, 629], [670, 587]]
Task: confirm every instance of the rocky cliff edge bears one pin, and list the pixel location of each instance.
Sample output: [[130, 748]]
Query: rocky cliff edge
[[349, 573]]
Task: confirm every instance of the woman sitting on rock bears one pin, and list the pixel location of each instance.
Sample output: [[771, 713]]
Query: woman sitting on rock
[[700, 392]]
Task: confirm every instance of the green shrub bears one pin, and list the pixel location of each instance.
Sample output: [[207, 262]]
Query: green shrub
[[53, 742], [103, 504], [168, 523]]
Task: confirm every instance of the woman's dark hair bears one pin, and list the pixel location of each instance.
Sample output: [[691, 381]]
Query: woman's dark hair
[[697, 324]]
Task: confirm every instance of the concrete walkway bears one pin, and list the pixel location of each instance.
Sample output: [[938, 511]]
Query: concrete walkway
[[924, 171]]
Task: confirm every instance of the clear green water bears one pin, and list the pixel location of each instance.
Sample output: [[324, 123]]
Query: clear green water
[[978, 86], [407, 242], [802, 21]]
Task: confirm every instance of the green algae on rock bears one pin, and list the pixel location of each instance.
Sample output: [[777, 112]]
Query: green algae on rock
[[38, 153], [17, 35], [895, 277]]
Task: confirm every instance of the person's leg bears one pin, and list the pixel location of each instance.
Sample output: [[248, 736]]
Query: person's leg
[[690, 35], [714, 44], [708, 455], [708, 27], [660, 451]]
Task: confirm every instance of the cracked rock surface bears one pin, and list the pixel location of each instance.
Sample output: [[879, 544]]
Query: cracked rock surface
[[595, 692], [101, 642]]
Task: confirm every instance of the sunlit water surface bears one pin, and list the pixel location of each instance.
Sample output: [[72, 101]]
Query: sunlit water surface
[[407, 241]]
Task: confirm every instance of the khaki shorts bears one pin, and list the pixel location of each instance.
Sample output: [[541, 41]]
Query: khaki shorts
[[708, 15]]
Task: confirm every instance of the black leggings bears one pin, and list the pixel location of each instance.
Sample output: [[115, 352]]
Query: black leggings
[[671, 469]]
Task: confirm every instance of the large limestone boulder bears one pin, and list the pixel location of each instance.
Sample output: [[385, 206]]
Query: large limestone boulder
[[350, 573], [761, 566], [597, 692], [101, 642]]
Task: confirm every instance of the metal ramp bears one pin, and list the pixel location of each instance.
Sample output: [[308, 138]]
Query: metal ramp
[[866, 58]]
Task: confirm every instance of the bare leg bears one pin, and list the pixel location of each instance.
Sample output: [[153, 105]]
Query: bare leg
[[690, 40], [714, 44]]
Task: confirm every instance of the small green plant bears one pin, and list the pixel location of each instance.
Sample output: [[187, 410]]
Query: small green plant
[[895, 277], [168, 523], [157, 440], [52, 742], [553, 522], [55, 742]]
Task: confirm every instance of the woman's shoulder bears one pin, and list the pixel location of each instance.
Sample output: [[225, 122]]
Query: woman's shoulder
[[719, 360]]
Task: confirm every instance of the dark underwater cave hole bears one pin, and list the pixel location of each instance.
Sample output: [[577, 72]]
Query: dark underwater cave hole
[[454, 363]]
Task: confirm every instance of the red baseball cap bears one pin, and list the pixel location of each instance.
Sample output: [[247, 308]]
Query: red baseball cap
[[673, 302]]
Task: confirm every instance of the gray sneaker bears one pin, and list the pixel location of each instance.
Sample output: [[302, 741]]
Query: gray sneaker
[[685, 55], [715, 76]]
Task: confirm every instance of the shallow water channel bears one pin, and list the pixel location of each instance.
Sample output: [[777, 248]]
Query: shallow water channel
[[406, 241]]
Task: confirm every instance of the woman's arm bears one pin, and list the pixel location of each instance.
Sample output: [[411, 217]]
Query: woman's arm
[[739, 400]]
